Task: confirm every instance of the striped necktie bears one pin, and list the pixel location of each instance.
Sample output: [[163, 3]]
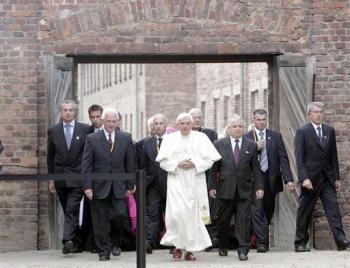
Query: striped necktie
[[263, 156]]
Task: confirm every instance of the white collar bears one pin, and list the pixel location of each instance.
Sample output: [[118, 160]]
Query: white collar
[[72, 123], [316, 126], [257, 131], [107, 134], [233, 140]]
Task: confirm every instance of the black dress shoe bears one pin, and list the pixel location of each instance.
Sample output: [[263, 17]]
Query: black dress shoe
[[104, 258], [68, 247], [77, 250], [343, 245], [208, 249], [242, 256], [149, 249], [116, 251], [261, 249], [301, 248], [222, 252]]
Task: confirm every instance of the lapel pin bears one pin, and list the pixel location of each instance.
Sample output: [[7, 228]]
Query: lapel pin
[[77, 137], [247, 152], [268, 138]]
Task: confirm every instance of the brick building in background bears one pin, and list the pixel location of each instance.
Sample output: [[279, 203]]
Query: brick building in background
[[34, 31], [216, 88]]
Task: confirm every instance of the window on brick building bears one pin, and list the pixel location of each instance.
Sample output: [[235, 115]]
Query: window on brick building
[[91, 74], [109, 74], [130, 130], [104, 73], [265, 101], [203, 111], [125, 122], [254, 100], [237, 104], [95, 76], [98, 76], [120, 73], [216, 114], [115, 73], [142, 124], [227, 109]]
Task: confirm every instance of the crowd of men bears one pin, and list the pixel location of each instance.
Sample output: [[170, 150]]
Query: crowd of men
[[201, 191]]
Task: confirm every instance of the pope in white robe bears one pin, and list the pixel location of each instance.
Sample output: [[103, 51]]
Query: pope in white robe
[[186, 155]]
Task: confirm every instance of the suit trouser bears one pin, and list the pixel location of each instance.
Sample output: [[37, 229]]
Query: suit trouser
[[70, 198], [155, 205], [86, 230], [307, 202], [241, 209], [212, 228], [262, 212], [105, 212]]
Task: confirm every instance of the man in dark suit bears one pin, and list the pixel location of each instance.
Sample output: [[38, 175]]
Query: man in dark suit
[[108, 151], [139, 145], [64, 152], [197, 117], [95, 115], [274, 164], [318, 174], [86, 230], [156, 182], [232, 179]]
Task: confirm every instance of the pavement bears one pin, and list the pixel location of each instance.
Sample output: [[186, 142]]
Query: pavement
[[162, 259]]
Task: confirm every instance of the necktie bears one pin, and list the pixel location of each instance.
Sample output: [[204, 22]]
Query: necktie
[[110, 142], [263, 155], [159, 142], [236, 151], [68, 135], [319, 134]]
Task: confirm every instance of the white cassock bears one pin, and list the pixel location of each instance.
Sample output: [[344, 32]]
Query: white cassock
[[187, 206]]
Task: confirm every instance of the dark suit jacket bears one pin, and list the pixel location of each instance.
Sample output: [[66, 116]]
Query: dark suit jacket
[[98, 158], [279, 167], [212, 135], [226, 176], [313, 158], [138, 147], [62, 160], [148, 162]]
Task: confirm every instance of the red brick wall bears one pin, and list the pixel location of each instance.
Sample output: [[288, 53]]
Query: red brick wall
[[19, 56], [33, 28], [170, 89]]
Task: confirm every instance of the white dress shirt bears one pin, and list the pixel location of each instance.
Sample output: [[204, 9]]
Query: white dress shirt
[[233, 143]]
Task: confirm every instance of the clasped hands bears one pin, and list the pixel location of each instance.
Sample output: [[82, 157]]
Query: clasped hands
[[185, 164]]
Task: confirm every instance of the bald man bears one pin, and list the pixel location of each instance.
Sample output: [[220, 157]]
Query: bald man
[[156, 182]]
